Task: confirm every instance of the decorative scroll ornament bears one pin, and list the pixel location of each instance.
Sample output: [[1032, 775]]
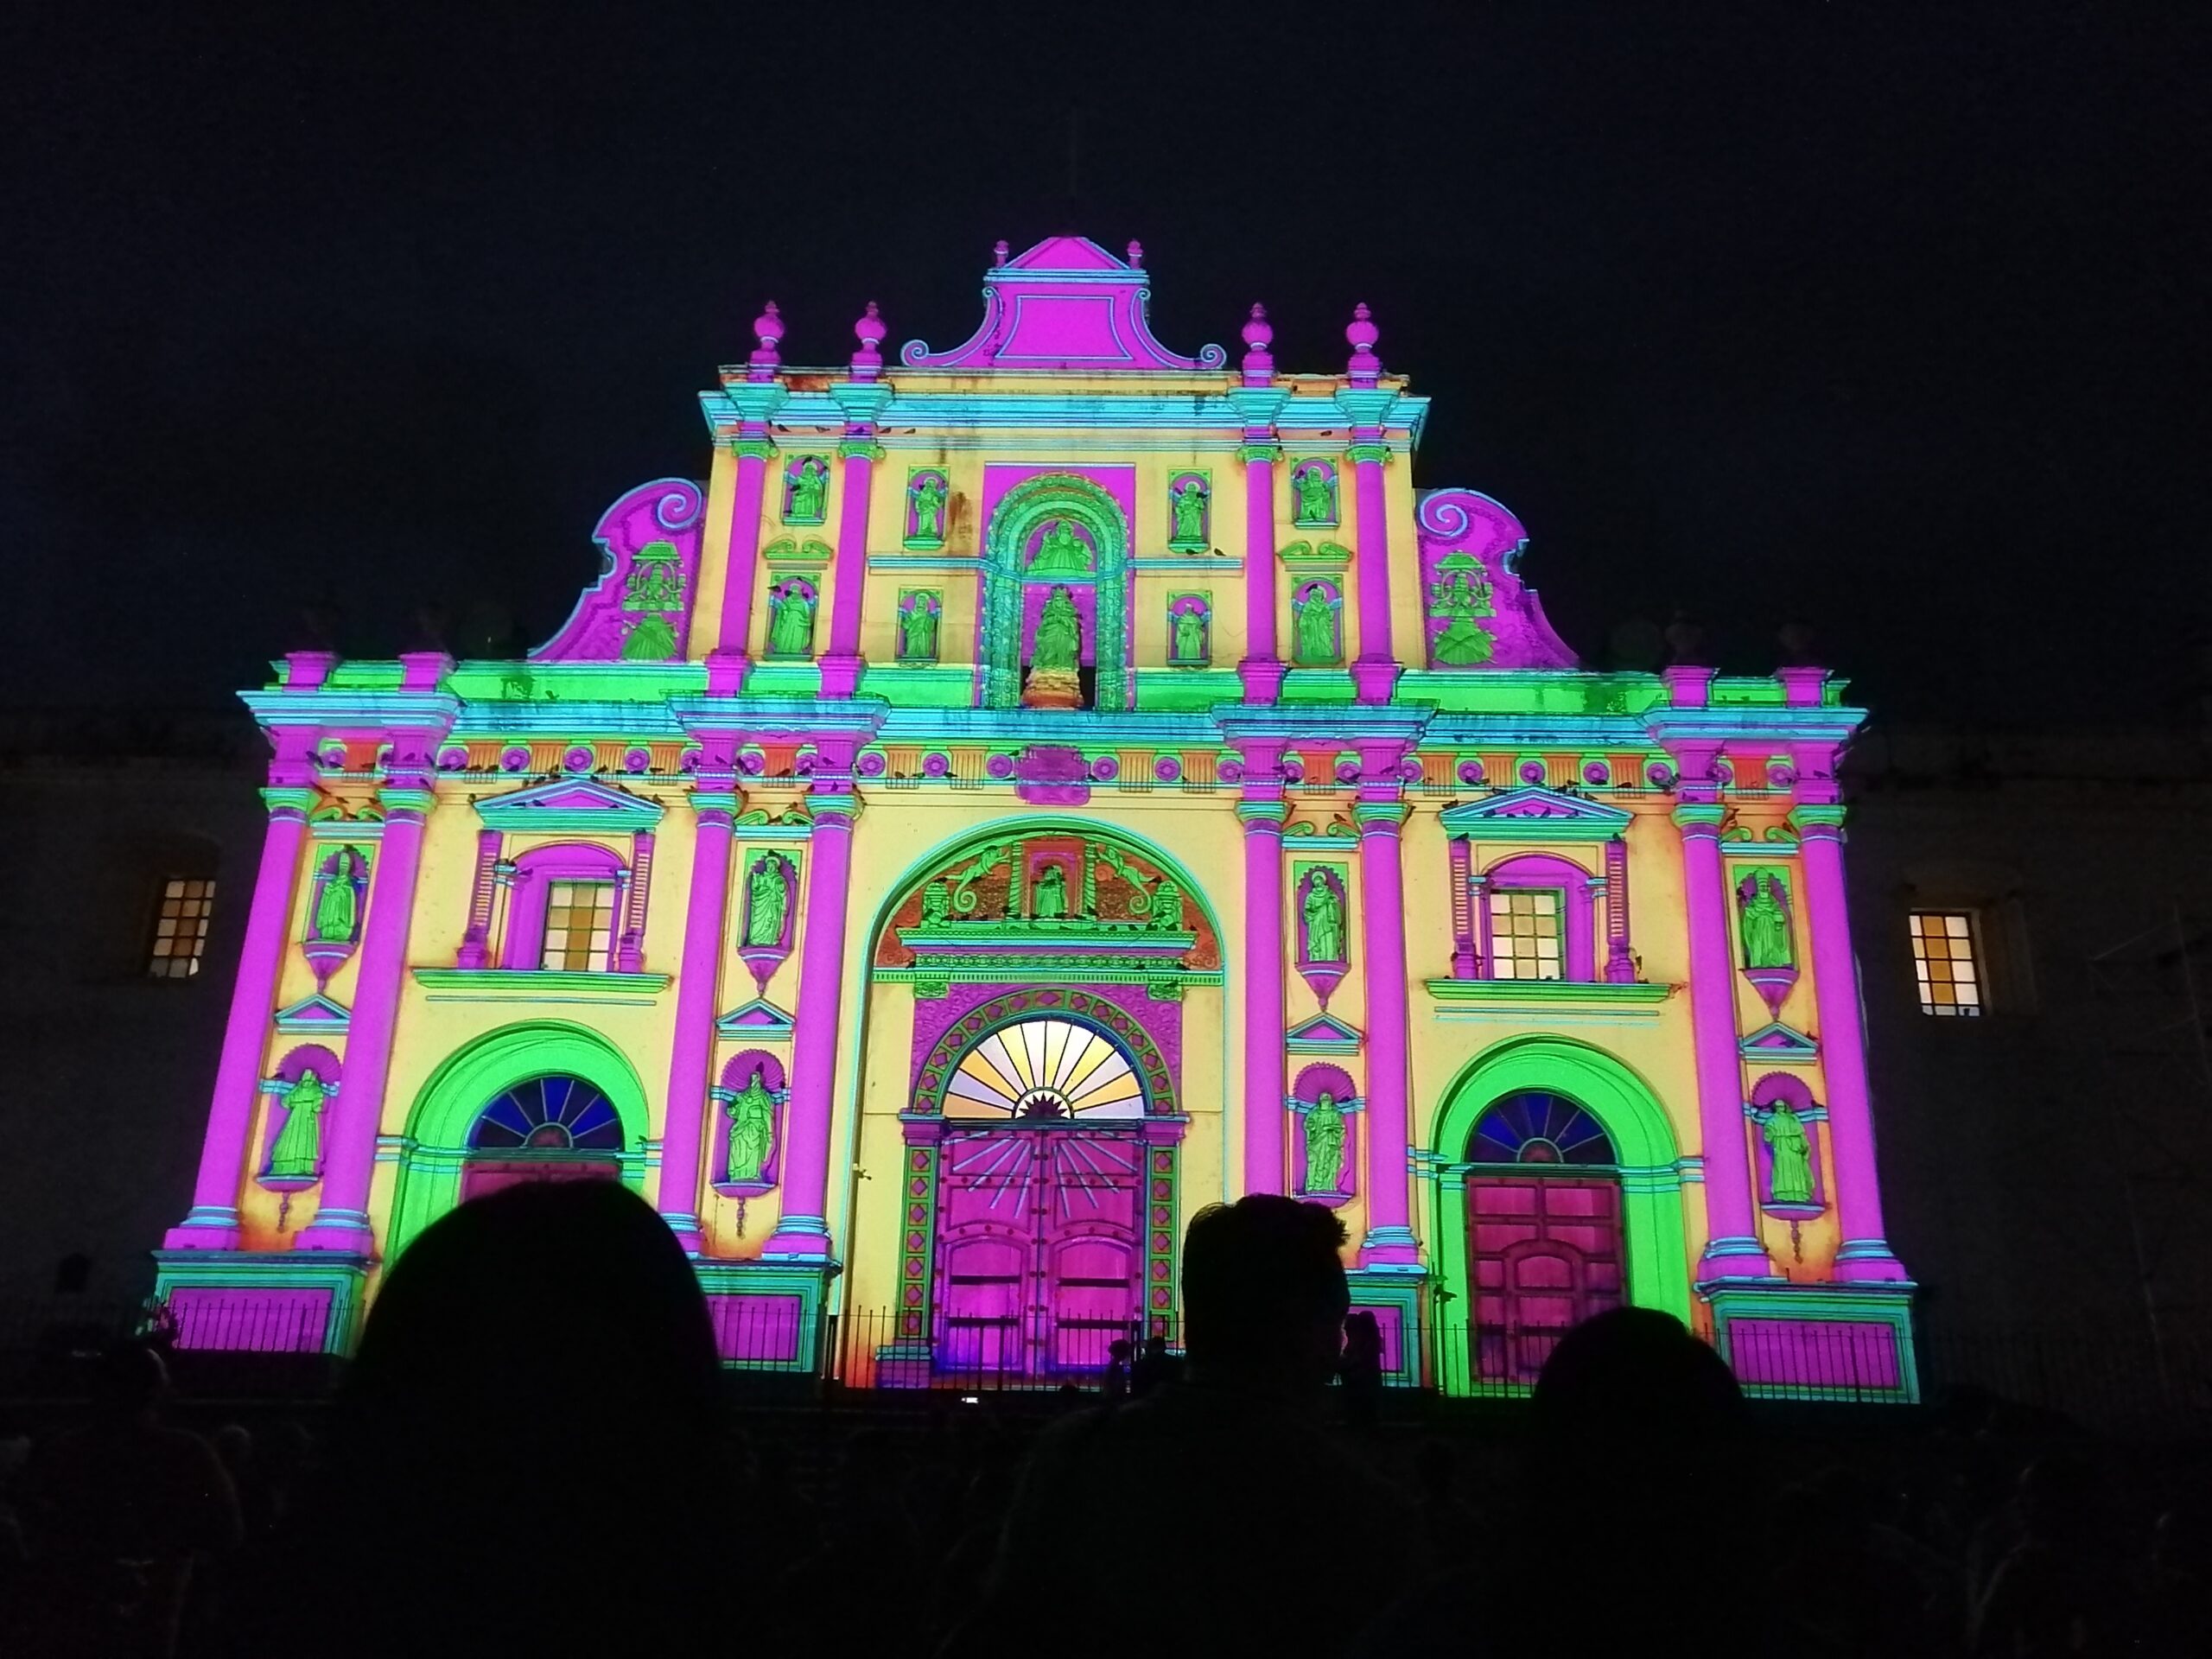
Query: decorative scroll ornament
[[638, 609]]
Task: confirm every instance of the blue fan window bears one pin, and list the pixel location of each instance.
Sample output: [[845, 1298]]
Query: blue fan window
[[556, 1113], [1538, 1128]]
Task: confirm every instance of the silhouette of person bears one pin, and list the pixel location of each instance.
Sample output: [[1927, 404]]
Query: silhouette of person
[[532, 1417], [1155, 1367], [1360, 1371], [1115, 1380], [1230, 1470]]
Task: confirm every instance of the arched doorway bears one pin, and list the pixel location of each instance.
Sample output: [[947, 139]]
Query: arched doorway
[[1041, 1202], [547, 1128], [1545, 1246]]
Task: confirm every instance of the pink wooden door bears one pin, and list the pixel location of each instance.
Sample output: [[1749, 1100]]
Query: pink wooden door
[[1544, 1254], [490, 1175]]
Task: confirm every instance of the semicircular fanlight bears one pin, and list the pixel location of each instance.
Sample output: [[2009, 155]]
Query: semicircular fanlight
[[1042, 1070], [549, 1114], [1539, 1129]]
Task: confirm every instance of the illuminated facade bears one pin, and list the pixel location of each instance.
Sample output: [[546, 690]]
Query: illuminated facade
[[1031, 791]]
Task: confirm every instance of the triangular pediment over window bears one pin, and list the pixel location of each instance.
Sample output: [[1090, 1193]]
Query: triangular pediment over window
[[758, 1018], [1776, 1041], [568, 805], [1323, 1034], [1535, 813], [314, 1011]]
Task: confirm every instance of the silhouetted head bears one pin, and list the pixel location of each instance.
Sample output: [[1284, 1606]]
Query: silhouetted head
[[129, 1381], [1120, 1348], [1156, 1346], [1263, 1290], [1636, 1374]]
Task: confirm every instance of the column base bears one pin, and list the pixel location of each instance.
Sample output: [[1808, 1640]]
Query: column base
[[798, 1238], [1373, 680], [344, 1232], [1864, 1261], [685, 1226], [841, 676], [1735, 1258], [215, 1228], [1262, 679], [1390, 1249], [726, 673]]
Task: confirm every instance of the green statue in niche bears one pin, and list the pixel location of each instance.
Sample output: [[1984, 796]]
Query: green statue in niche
[[1791, 1181], [791, 623], [1324, 920], [1325, 1145], [1051, 903], [1059, 634], [929, 508], [1191, 636], [917, 631], [809, 485], [1765, 923], [1190, 513], [1061, 553], [339, 908], [299, 1144], [752, 1130], [767, 892], [1314, 624], [1316, 496]]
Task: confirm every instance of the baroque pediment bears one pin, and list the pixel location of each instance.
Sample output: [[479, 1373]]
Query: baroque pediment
[[1535, 813], [568, 805]]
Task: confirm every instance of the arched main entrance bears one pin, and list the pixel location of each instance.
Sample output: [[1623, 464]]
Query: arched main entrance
[[548, 1128]]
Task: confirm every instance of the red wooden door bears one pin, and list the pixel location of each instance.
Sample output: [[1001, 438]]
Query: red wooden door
[[1038, 1248], [1544, 1254]]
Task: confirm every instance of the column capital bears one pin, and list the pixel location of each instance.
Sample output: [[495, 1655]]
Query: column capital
[[860, 449], [1269, 452], [287, 802], [753, 448], [1259, 816], [834, 807], [1823, 822], [1380, 818], [1378, 453], [405, 800], [1701, 819]]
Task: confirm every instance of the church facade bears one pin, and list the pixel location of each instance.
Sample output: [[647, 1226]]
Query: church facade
[[1027, 793]]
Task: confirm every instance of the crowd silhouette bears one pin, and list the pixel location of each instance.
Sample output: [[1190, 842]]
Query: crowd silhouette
[[532, 1453]]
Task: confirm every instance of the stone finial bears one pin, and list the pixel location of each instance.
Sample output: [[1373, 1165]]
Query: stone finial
[[768, 328], [1136, 252], [1259, 335], [869, 331], [998, 252], [1362, 333]]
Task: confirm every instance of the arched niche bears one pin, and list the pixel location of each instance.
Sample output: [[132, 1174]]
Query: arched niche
[[1015, 522]]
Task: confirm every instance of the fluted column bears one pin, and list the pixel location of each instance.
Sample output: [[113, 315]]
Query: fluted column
[[698, 990], [1389, 1241], [1265, 1087], [212, 1221], [804, 1230], [1864, 1252], [1732, 1249]]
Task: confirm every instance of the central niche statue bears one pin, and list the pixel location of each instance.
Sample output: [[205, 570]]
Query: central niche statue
[[1324, 920], [1765, 923], [752, 1127], [1051, 903], [299, 1145], [1314, 620], [917, 633], [1061, 553], [790, 622], [1189, 511], [339, 907], [1325, 1145], [767, 890], [1056, 657], [1791, 1179], [929, 507]]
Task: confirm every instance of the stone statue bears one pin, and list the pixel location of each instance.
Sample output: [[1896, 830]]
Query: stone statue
[[1059, 634], [1325, 1145], [339, 908], [752, 1130], [1324, 920], [1766, 923], [1166, 915], [918, 632], [929, 508], [809, 485], [1190, 636], [1463, 642], [791, 623], [1061, 553], [1316, 495], [299, 1144], [1791, 1181], [937, 905], [767, 890], [1051, 903], [1190, 511], [1314, 619]]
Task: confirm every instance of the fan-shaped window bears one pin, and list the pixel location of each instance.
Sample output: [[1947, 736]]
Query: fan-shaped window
[[1040, 1070], [1538, 1128], [555, 1114]]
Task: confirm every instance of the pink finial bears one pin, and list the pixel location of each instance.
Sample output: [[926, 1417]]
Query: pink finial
[[768, 328], [869, 330], [1258, 336], [1362, 333], [998, 253], [1136, 251]]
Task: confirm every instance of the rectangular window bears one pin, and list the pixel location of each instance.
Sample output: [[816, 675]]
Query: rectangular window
[[579, 925], [1946, 962], [181, 928], [1524, 934]]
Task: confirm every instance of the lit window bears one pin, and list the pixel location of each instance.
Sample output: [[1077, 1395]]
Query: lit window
[[1524, 934], [1944, 960], [579, 924], [181, 929]]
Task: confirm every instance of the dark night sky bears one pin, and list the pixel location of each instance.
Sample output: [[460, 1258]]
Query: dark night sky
[[1893, 316]]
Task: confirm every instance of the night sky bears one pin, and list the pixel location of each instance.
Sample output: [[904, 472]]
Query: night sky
[[1889, 317]]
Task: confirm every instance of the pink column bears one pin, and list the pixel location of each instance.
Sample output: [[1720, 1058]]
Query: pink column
[[803, 1231], [213, 1222], [697, 987], [1265, 1088], [726, 670], [1732, 1249], [1620, 963], [1865, 1253], [1389, 1241], [1375, 672], [1262, 670], [341, 1220], [841, 664], [475, 940]]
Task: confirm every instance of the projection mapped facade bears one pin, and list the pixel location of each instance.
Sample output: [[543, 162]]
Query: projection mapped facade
[[1028, 791]]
